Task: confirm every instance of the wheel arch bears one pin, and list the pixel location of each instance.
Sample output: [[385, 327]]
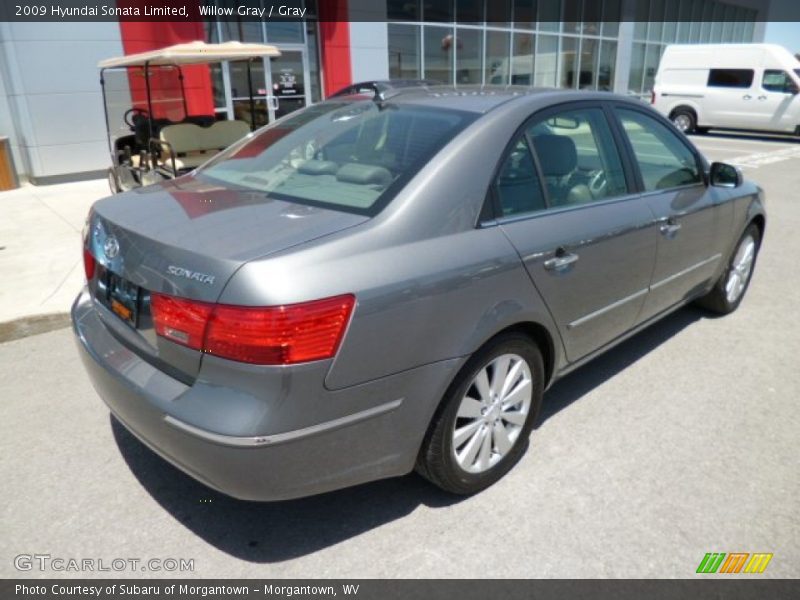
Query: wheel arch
[[685, 107]]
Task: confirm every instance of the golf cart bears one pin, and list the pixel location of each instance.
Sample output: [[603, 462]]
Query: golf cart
[[159, 110]]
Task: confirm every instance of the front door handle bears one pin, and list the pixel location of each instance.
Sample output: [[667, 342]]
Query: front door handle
[[562, 259], [762, 97], [670, 228]]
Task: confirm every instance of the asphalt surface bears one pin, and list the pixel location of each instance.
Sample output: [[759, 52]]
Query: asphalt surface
[[682, 441]]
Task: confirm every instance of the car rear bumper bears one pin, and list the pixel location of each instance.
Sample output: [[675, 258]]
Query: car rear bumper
[[379, 440]]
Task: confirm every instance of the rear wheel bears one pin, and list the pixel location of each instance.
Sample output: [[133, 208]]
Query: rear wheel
[[684, 120], [482, 427], [727, 293]]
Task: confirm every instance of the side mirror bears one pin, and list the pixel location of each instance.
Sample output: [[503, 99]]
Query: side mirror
[[725, 175]]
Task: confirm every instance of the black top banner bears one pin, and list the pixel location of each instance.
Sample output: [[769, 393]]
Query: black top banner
[[460, 11]]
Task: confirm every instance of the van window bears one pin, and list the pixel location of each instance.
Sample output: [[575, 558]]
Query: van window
[[777, 81], [731, 78]]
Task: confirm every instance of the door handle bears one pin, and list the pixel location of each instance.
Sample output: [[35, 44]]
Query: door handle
[[670, 228], [746, 97], [561, 260], [762, 97]]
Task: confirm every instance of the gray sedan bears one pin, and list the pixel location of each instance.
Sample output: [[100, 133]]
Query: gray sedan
[[390, 281]]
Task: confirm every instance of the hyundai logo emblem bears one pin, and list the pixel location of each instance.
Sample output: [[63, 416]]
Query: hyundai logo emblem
[[111, 247]]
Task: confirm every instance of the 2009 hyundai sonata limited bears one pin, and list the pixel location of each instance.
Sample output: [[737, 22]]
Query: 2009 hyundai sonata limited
[[377, 284]]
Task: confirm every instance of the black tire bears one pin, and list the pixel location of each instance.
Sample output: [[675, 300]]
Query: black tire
[[113, 181], [437, 460], [684, 119], [717, 299]]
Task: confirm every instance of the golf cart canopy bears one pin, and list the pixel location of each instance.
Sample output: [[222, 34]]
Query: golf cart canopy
[[192, 53]]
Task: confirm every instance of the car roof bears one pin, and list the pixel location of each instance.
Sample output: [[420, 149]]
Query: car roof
[[476, 98]]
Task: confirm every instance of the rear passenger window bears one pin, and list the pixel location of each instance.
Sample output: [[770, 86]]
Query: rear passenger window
[[664, 160], [730, 78], [518, 187], [578, 158]]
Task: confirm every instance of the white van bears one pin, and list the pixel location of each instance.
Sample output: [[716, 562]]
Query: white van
[[729, 86]]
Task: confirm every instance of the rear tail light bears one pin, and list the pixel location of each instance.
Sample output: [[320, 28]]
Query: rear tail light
[[179, 320], [273, 335], [89, 264], [653, 97]]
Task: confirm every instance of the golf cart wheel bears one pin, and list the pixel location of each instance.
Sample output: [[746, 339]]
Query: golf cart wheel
[[113, 181]]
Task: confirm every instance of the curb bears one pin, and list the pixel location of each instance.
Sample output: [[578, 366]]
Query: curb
[[35, 325]]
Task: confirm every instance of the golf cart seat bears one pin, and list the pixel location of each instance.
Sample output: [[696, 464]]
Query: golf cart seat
[[190, 145]]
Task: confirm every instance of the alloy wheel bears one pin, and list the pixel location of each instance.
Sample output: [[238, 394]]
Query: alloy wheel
[[741, 268], [492, 413]]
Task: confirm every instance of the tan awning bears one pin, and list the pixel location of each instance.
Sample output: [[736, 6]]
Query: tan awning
[[192, 53]]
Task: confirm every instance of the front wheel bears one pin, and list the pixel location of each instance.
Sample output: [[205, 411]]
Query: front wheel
[[481, 429], [727, 293]]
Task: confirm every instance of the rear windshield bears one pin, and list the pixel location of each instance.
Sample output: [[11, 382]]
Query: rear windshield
[[351, 156]]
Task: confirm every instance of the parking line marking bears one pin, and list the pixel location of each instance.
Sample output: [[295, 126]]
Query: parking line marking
[[765, 158]]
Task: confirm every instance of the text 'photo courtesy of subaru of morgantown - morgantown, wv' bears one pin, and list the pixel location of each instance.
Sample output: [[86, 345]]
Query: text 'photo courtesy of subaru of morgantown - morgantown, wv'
[[390, 279]]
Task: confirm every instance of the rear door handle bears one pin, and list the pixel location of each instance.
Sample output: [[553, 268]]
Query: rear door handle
[[746, 97], [562, 259], [670, 228]]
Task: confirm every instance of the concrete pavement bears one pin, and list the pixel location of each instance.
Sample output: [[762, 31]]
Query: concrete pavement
[[682, 441], [40, 257]]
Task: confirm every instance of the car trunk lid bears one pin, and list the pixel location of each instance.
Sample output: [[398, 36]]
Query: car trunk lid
[[186, 238]]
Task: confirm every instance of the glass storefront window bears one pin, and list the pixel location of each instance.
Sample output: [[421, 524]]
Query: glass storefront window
[[497, 57], [313, 61], [569, 48], [525, 14], [522, 65], [404, 52], [592, 13], [572, 16], [439, 47], [606, 66], [650, 67], [611, 17], [636, 75], [641, 16], [546, 66], [469, 54], [656, 28], [284, 32], [588, 64], [549, 15]]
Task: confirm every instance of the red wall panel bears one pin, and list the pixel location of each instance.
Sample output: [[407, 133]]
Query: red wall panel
[[141, 36], [334, 34]]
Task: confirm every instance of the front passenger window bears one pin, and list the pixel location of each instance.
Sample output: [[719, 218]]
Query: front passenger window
[[664, 160], [778, 81]]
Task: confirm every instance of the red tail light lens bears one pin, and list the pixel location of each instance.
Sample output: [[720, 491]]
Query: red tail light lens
[[181, 321], [652, 97], [89, 264], [274, 335]]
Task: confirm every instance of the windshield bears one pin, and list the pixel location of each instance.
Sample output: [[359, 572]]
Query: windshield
[[351, 156]]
